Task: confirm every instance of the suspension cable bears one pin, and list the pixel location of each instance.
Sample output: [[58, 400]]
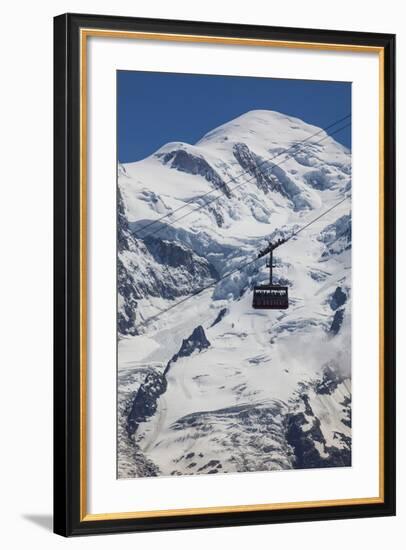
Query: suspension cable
[[233, 179], [240, 267]]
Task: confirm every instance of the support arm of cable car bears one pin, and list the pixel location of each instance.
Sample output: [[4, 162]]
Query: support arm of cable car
[[270, 296]]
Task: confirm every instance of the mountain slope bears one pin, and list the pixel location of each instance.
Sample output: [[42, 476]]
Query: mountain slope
[[213, 385]]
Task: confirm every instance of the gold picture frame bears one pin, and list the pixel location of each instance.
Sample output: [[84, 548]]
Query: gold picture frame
[[71, 46]]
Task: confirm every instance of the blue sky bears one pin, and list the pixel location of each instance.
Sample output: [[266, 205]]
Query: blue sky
[[155, 108]]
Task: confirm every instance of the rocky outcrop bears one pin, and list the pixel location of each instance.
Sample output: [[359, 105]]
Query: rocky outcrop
[[219, 317], [337, 301], [184, 161], [154, 267], [336, 237], [269, 176], [304, 429], [304, 443], [145, 402], [338, 298], [197, 341], [127, 292], [330, 380], [178, 256], [337, 321]]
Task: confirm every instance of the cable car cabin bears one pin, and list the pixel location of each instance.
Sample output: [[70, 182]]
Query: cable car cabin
[[270, 297]]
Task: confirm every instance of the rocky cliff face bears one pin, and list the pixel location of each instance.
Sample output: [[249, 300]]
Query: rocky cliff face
[[144, 404], [336, 236], [269, 176], [197, 341], [153, 268], [195, 165], [145, 401], [128, 293]]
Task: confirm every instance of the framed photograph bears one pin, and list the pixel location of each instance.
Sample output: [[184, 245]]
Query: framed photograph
[[224, 274]]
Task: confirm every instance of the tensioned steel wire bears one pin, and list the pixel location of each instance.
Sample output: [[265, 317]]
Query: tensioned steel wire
[[293, 147], [220, 196], [239, 268]]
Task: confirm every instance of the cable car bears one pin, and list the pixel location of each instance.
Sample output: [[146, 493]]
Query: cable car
[[270, 296]]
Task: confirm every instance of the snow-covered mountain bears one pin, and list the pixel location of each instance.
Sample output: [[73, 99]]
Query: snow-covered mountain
[[212, 385]]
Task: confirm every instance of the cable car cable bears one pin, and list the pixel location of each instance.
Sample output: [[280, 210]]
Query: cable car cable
[[239, 268], [318, 217], [153, 222], [234, 188], [296, 145]]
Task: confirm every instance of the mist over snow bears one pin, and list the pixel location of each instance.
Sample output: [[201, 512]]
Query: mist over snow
[[212, 385]]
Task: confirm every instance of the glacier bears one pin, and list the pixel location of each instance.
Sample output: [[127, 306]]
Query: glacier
[[207, 384]]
